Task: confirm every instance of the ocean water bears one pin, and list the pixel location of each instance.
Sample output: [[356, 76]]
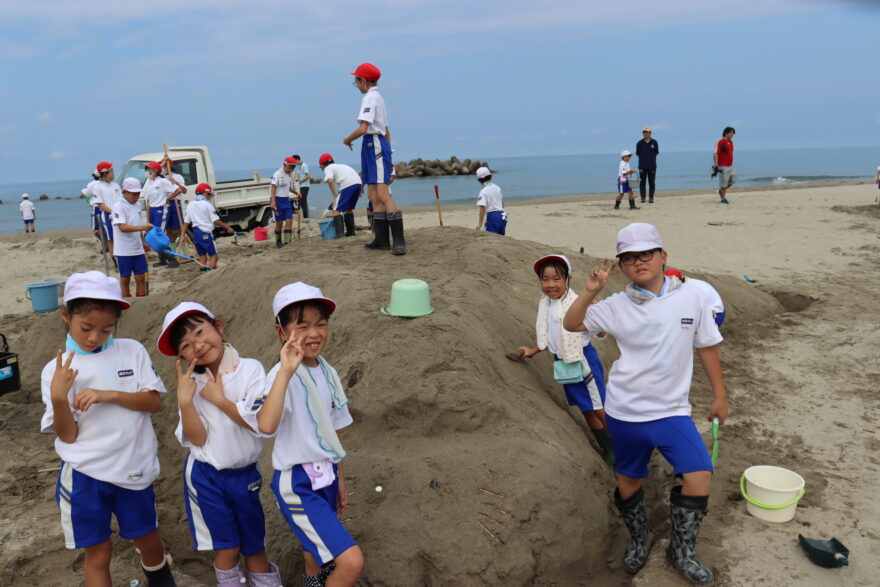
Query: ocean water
[[520, 178]]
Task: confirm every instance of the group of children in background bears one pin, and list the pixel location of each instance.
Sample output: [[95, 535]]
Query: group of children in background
[[100, 391]]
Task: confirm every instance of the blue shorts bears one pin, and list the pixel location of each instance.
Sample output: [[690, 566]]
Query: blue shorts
[[675, 437], [157, 215], [283, 209], [719, 318], [136, 264], [87, 504], [96, 217], [623, 187], [312, 514], [223, 507], [31, 221], [348, 198], [375, 159], [204, 242], [172, 219], [589, 394], [108, 224], [496, 222]]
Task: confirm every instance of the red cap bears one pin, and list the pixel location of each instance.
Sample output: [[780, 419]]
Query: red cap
[[104, 166], [325, 158], [154, 166], [674, 273], [368, 71], [290, 161], [204, 188], [169, 161]]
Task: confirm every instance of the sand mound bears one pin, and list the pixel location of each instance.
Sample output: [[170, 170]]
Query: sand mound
[[487, 476]]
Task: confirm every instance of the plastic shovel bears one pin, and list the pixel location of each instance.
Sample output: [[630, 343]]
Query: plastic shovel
[[715, 426]]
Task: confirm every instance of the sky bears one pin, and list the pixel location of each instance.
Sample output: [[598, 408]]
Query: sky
[[256, 80]]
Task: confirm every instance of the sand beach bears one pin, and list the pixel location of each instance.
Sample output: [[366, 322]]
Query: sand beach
[[487, 476]]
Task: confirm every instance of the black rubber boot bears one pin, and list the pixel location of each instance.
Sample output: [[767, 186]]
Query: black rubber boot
[[173, 262], [395, 224], [634, 515], [338, 225], [163, 260], [605, 444], [686, 516], [617, 204], [348, 218], [632, 204], [278, 242], [161, 577], [380, 233]]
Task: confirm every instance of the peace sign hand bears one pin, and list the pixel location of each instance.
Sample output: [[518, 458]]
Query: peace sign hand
[[186, 385], [599, 277], [63, 378], [291, 355]]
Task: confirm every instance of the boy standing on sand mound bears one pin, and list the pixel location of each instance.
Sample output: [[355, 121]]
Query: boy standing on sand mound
[[376, 160]]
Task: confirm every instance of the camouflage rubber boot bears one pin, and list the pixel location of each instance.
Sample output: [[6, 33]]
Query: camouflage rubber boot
[[634, 515], [686, 516]]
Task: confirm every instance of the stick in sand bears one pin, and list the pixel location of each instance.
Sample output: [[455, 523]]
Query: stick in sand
[[184, 237], [439, 211]]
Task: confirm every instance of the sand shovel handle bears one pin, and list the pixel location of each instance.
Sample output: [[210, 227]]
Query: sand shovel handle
[[764, 506]]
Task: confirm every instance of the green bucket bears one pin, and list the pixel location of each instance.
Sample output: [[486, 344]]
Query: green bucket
[[410, 298]]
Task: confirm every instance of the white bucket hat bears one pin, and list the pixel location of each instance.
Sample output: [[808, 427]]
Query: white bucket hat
[[637, 237], [625, 153], [25, 197], [299, 292], [483, 172], [94, 285], [182, 309], [131, 184]]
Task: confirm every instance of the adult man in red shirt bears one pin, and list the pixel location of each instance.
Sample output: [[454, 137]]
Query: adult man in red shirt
[[723, 163]]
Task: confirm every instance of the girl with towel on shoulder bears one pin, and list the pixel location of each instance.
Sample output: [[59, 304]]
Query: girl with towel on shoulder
[[577, 366], [303, 407]]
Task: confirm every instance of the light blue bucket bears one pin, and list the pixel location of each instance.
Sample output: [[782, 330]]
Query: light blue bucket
[[328, 231], [43, 296]]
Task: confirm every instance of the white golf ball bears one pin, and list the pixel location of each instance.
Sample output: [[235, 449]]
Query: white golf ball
[[378, 488]]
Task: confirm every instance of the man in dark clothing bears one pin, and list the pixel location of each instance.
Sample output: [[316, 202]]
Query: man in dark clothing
[[647, 150]]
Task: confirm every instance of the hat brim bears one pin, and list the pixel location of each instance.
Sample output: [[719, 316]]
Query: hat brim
[[640, 248], [331, 305], [125, 305], [164, 342], [539, 264]]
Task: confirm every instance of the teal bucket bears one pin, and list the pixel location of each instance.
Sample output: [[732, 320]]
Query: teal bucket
[[328, 230], [43, 296]]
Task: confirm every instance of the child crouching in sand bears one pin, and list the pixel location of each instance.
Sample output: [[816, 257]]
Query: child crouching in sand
[[221, 479], [98, 401], [303, 407], [573, 349], [657, 323]]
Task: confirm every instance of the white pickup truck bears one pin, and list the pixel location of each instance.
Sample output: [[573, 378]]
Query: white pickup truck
[[241, 203]]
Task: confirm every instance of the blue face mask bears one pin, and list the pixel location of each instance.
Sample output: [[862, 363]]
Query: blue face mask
[[72, 346]]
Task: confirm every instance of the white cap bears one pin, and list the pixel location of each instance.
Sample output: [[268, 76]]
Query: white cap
[[298, 292], [131, 184], [94, 285], [25, 196], [483, 172], [637, 237], [179, 311], [624, 153], [540, 263]]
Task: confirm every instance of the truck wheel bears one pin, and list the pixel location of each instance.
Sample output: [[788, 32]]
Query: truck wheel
[[267, 218]]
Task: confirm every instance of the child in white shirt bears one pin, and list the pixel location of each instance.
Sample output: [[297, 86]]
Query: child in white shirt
[[303, 407], [201, 215], [28, 213], [490, 203], [129, 238], [623, 176], [221, 479], [98, 401]]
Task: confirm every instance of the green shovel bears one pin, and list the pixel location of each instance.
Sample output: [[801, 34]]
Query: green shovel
[[715, 425]]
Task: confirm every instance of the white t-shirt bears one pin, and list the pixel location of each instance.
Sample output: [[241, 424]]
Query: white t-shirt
[[201, 214], [342, 175], [126, 244], [180, 181], [373, 111], [296, 440], [715, 302], [113, 444], [652, 377], [490, 197], [282, 182], [228, 445], [89, 191], [622, 171], [156, 192], [106, 193], [27, 209]]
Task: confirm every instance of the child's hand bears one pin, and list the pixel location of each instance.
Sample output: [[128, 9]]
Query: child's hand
[[186, 385], [342, 499], [63, 378], [527, 352], [89, 397], [213, 390], [291, 355], [599, 277], [719, 410]]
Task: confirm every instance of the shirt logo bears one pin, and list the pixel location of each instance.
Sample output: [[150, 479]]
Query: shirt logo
[[125, 373], [687, 321], [255, 486], [367, 109], [135, 476]]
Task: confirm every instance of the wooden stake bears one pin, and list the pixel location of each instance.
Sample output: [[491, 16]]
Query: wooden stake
[[439, 210]]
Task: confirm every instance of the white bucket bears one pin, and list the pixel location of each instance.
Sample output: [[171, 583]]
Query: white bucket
[[771, 493]]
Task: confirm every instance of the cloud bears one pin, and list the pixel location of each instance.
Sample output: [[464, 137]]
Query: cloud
[[596, 131], [44, 117], [57, 155]]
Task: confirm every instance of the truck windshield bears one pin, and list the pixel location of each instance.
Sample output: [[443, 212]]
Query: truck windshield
[[133, 169], [185, 167]]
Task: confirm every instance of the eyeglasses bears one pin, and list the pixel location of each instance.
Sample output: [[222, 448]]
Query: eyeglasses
[[643, 256]]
